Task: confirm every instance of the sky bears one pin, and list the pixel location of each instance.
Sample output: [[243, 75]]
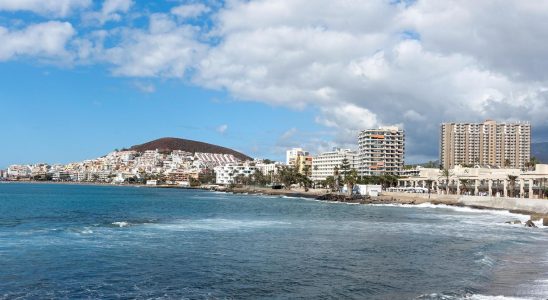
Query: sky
[[80, 78]]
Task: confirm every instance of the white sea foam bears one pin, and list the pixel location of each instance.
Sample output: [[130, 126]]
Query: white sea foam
[[87, 231], [470, 297], [464, 209], [487, 297], [120, 224], [218, 225]]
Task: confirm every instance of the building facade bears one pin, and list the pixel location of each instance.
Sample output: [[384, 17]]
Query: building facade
[[229, 173], [381, 151], [300, 159], [324, 164], [480, 181], [292, 155], [485, 144]]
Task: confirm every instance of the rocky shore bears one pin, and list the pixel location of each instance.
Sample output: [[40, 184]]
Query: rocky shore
[[324, 195]]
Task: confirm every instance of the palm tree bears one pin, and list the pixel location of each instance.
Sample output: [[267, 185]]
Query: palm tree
[[350, 179], [465, 183], [330, 181], [446, 173], [532, 163], [429, 185], [512, 179]]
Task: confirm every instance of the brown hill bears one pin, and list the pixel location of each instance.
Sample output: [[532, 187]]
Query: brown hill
[[169, 144]]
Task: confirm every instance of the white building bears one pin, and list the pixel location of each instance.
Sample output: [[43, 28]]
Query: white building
[[268, 169], [324, 164], [19, 171], [381, 151], [480, 181], [227, 173], [214, 159], [292, 155]]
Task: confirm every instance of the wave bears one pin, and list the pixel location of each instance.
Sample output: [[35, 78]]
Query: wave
[[130, 222], [120, 224], [448, 296], [218, 225], [464, 209]]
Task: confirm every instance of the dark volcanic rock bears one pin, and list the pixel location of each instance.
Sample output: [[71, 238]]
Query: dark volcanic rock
[[530, 224], [514, 222]]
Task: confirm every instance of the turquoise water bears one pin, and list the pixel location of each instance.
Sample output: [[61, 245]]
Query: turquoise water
[[70, 241]]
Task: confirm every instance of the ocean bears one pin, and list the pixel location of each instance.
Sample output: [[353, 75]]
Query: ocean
[[77, 241]]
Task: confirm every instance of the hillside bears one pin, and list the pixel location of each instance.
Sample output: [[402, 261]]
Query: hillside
[[170, 144], [540, 151]]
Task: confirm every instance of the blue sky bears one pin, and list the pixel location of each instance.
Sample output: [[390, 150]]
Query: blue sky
[[80, 78], [61, 115]]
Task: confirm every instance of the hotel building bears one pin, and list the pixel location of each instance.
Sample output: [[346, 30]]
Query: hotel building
[[324, 164], [226, 174], [381, 151], [487, 144], [300, 159]]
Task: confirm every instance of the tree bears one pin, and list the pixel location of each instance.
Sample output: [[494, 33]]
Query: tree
[[288, 176], [465, 183], [207, 176], [330, 182], [350, 180], [429, 186], [507, 163], [337, 177], [530, 165], [512, 179], [446, 173], [306, 171], [194, 182], [304, 181], [345, 167]]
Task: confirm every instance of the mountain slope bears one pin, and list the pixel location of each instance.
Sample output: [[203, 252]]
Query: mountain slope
[[170, 144]]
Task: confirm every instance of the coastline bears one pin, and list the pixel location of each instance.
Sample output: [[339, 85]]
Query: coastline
[[326, 195], [386, 198]]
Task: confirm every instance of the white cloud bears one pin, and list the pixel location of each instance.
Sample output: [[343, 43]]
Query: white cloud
[[55, 8], [357, 63], [288, 134], [190, 10], [145, 87], [353, 62], [111, 10], [44, 40], [222, 129], [164, 49]]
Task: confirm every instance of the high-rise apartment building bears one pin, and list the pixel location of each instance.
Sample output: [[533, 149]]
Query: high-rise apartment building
[[324, 164], [488, 143], [381, 151], [291, 155]]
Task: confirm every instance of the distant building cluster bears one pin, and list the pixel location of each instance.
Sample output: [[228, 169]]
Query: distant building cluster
[[380, 152], [152, 166]]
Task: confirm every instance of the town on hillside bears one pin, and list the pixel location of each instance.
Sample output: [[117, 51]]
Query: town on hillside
[[482, 159]]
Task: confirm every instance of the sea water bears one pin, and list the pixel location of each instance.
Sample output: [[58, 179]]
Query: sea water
[[72, 241]]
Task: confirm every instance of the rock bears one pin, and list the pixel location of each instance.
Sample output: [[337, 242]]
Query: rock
[[545, 221], [514, 222], [536, 217], [530, 224]]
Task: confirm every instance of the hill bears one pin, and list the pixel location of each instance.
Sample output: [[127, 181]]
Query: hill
[[170, 144], [540, 151]]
